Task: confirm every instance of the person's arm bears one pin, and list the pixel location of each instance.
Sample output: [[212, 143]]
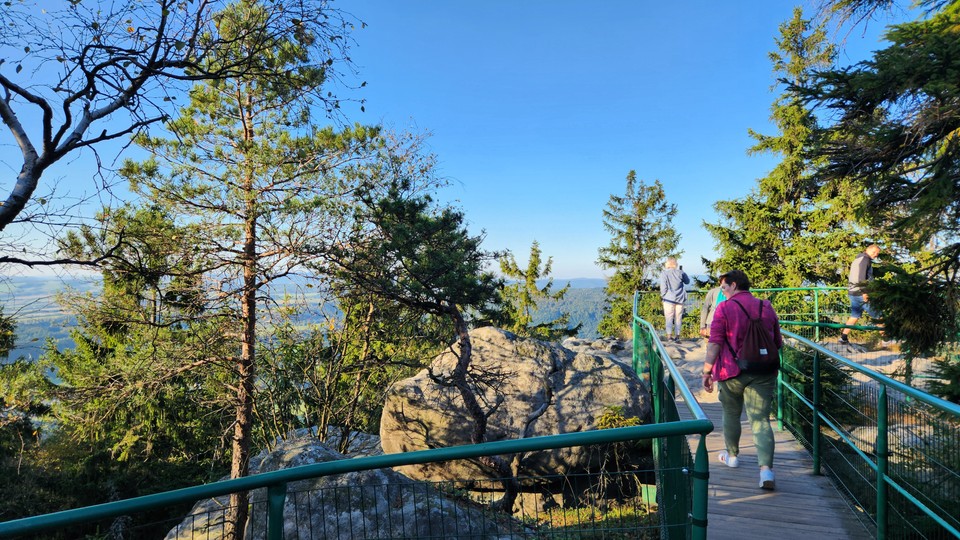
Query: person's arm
[[713, 353], [663, 284], [717, 332]]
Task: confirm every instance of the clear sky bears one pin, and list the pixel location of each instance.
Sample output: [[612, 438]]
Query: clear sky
[[538, 109]]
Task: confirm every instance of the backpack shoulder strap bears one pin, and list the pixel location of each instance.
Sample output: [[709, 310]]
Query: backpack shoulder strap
[[744, 310]]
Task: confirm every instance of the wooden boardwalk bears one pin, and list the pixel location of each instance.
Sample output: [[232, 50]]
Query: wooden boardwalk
[[804, 506]]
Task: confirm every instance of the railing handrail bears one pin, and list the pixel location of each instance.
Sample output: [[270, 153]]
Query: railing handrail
[[938, 403], [681, 384], [769, 289], [830, 325]]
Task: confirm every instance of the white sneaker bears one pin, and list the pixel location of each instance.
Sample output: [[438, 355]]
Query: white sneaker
[[766, 479], [731, 461]]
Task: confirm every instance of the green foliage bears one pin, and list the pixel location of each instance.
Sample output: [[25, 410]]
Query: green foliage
[[613, 417], [895, 140], [123, 413], [916, 310], [640, 224], [521, 300], [336, 373], [790, 231], [8, 337], [416, 255], [946, 382]]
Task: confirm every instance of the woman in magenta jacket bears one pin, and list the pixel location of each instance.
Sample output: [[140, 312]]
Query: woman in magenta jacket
[[740, 388]]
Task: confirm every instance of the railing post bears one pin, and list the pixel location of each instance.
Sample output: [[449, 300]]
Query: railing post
[[701, 480], [882, 463], [816, 314], [640, 367], [815, 436], [276, 495], [780, 394]]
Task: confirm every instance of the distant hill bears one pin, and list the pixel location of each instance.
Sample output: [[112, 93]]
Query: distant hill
[[585, 305], [32, 302]]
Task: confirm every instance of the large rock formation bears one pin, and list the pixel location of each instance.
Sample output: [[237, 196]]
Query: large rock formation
[[365, 504], [530, 388]]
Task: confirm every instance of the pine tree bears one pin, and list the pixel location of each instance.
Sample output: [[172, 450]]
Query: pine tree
[[521, 299], [247, 169], [408, 251], [640, 224]]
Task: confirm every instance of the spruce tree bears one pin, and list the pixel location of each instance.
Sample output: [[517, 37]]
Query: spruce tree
[[640, 223], [894, 136], [520, 299], [789, 231]]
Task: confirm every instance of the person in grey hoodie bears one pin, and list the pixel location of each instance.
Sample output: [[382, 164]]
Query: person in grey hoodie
[[674, 295]]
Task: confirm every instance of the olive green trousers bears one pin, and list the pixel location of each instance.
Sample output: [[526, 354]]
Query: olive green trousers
[[756, 392]]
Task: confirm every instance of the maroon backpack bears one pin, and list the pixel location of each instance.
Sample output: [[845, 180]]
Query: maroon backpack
[[758, 350]]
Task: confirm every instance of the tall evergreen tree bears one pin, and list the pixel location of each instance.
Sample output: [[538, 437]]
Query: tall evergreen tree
[[788, 231], [520, 299], [895, 136], [640, 224], [246, 167]]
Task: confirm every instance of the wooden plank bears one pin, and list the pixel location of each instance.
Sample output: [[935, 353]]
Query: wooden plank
[[804, 506]]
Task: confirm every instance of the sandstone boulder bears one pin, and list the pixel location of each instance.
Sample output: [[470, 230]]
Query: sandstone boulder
[[365, 504], [530, 387]]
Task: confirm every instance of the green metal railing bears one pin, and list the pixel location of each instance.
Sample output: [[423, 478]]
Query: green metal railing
[[891, 448], [681, 486], [827, 305], [650, 359]]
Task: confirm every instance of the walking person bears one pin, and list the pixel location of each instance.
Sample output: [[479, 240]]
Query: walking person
[[673, 295], [738, 387], [861, 272], [707, 308]]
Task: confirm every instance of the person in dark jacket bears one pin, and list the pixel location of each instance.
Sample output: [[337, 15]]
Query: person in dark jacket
[[861, 272], [674, 295]]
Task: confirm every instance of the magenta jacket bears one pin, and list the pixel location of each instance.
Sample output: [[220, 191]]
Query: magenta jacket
[[730, 322]]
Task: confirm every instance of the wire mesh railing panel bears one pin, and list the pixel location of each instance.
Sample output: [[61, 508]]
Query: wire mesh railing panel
[[896, 456], [598, 504]]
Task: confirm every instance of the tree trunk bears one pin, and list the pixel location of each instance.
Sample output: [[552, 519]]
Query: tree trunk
[[242, 429], [511, 487]]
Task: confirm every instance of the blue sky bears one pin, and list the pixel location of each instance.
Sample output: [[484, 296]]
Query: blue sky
[[538, 109]]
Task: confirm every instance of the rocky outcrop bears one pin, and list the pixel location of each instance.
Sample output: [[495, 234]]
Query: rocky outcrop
[[529, 387], [365, 504]]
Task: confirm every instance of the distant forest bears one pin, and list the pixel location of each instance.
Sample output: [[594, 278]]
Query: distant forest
[[584, 306], [39, 318]]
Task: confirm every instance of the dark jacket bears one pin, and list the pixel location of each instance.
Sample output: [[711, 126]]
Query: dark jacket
[[861, 271]]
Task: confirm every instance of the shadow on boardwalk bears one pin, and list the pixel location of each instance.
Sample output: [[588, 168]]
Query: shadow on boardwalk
[[803, 505]]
